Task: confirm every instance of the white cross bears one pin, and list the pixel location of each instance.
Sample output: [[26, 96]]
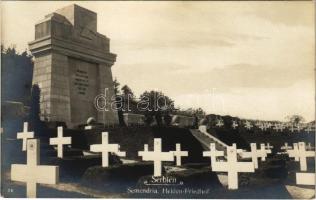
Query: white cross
[[255, 154], [178, 154], [232, 166], [293, 128], [213, 153], [278, 127], [281, 127], [264, 151], [294, 152], [269, 147], [141, 153], [238, 150], [305, 178], [105, 148], [309, 146], [157, 156], [303, 155], [269, 125], [286, 147], [248, 125], [262, 127], [298, 127], [309, 129], [219, 123], [60, 141], [33, 173], [234, 125], [25, 135]]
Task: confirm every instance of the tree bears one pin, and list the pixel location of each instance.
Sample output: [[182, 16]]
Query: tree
[[127, 91], [116, 85], [199, 112], [155, 104], [119, 102], [128, 100], [16, 72], [295, 119]]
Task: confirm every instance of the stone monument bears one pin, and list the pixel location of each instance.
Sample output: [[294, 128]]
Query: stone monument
[[72, 66]]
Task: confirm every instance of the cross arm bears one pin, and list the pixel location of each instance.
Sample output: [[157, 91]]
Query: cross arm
[[310, 153], [245, 167], [47, 174], [96, 148], [220, 166], [19, 172], [166, 156]]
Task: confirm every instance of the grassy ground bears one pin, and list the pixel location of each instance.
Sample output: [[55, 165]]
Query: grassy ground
[[82, 178]]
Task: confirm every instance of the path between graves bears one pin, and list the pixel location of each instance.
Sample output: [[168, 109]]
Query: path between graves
[[205, 140]]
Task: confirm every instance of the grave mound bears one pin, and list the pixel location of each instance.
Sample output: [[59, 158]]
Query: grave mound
[[132, 140], [73, 168], [115, 178]]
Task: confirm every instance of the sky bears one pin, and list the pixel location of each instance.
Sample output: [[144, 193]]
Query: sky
[[253, 60]]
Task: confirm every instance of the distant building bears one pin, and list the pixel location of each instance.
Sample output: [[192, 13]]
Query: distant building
[[131, 119], [183, 121], [14, 110]]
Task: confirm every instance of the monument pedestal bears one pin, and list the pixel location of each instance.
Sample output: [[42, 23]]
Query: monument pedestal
[[72, 66]]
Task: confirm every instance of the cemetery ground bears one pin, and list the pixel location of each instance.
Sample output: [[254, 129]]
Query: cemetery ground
[[82, 176]]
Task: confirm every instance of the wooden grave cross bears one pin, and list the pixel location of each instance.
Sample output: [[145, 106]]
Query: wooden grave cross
[[264, 151], [157, 156], [213, 153], [232, 167], [298, 127], [105, 148], [294, 152], [286, 147], [60, 141], [33, 173], [255, 153], [238, 150], [219, 123], [276, 127], [269, 147], [234, 125], [281, 127], [268, 125], [303, 155], [309, 146], [178, 154], [25, 135], [248, 125], [309, 129], [293, 128], [262, 127]]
